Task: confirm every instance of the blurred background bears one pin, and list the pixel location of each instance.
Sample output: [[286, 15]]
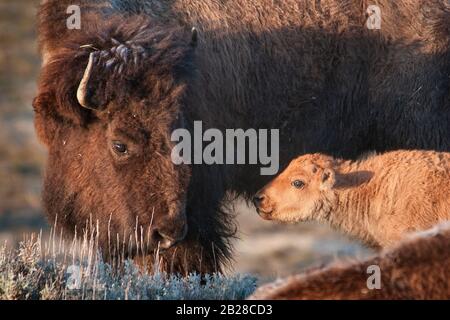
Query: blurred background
[[265, 248]]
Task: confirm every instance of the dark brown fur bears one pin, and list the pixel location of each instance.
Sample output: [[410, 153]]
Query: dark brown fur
[[152, 90], [415, 269], [308, 68]]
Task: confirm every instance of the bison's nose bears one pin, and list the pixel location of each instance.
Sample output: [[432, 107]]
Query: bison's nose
[[258, 199], [166, 240], [262, 205]]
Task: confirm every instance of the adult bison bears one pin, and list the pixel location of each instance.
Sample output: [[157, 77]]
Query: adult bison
[[112, 92]]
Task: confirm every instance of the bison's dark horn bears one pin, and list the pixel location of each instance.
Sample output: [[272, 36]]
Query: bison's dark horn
[[194, 37], [82, 92]]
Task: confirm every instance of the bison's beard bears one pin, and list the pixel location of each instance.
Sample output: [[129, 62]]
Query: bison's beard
[[206, 249], [185, 258]]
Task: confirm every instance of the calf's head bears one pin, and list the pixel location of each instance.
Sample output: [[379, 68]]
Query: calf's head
[[109, 99], [300, 192]]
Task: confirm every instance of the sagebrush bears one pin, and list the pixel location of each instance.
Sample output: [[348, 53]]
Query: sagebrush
[[38, 271]]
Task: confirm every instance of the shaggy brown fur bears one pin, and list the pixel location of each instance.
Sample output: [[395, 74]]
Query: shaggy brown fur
[[377, 199], [415, 269], [309, 68]]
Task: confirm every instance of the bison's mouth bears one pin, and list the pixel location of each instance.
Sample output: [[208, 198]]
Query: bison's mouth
[[165, 241]]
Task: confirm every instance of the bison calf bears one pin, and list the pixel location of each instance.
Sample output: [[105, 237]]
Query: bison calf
[[377, 199]]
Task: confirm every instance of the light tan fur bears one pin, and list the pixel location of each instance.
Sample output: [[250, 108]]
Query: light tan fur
[[377, 199]]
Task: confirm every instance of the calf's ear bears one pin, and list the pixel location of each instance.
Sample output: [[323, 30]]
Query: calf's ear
[[328, 179]]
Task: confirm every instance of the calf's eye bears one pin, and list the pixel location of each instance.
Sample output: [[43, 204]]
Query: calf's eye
[[298, 184], [119, 147]]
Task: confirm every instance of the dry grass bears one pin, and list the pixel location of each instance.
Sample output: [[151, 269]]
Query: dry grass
[[57, 270]]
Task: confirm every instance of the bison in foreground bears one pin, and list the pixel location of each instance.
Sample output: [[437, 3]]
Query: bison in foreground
[[416, 268], [112, 92]]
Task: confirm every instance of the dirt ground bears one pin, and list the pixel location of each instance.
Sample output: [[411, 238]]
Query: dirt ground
[[271, 250]]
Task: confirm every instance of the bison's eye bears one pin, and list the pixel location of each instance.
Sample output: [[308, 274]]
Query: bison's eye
[[298, 184], [119, 148]]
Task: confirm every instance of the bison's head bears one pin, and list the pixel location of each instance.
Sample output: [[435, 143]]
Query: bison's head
[[109, 99]]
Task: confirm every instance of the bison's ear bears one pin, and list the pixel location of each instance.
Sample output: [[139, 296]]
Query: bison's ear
[[90, 93], [328, 179]]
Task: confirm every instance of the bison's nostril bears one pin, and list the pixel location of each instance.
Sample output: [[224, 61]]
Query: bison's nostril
[[157, 236], [258, 199]]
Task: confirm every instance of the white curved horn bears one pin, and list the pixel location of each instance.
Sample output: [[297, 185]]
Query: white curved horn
[[83, 87]]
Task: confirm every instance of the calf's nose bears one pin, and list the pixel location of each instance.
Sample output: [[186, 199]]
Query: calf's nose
[[258, 199]]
